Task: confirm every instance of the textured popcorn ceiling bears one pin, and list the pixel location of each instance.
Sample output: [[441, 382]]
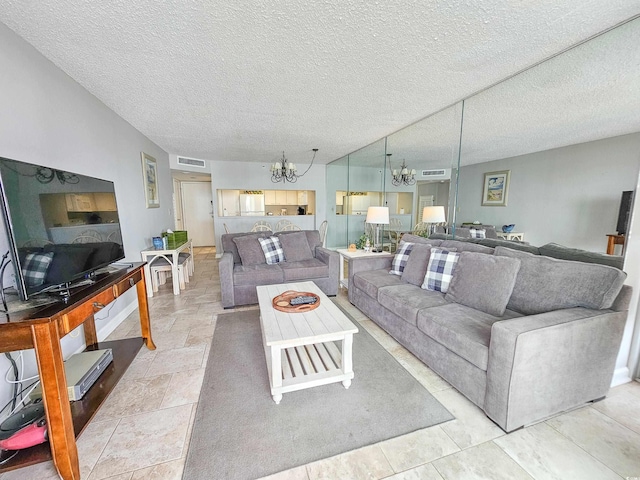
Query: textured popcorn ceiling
[[244, 81]]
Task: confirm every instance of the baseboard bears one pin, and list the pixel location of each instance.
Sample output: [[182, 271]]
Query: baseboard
[[110, 326], [620, 376]]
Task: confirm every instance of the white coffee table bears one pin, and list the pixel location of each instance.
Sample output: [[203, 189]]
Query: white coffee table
[[300, 348]]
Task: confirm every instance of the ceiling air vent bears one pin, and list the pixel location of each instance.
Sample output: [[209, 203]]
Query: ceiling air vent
[[191, 162], [433, 173]]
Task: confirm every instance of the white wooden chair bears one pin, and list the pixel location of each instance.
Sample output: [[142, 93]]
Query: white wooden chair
[[323, 233], [262, 226], [395, 227], [226, 229], [114, 237], [88, 236], [281, 224], [290, 227]]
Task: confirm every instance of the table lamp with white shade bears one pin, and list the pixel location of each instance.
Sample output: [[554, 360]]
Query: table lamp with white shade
[[432, 216], [377, 216]]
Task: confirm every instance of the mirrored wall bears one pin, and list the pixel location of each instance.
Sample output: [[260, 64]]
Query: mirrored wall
[[562, 135]]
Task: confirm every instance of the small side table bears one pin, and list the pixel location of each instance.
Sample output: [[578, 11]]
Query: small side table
[[511, 236], [346, 255], [612, 241]]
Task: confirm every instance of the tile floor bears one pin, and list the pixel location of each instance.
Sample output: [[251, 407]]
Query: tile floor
[[142, 431]]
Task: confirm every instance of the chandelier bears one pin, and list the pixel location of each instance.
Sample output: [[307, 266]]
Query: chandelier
[[404, 176], [285, 171]]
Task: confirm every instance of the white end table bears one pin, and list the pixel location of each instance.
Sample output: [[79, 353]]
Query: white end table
[[346, 255]]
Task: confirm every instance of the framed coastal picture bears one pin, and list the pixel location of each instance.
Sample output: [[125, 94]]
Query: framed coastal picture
[[496, 188], [150, 176]]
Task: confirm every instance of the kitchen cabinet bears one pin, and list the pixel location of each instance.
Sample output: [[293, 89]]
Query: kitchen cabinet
[[302, 197], [105, 202], [292, 197], [80, 202], [281, 197], [270, 197]]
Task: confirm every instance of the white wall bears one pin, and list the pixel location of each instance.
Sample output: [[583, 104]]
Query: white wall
[[256, 176], [47, 118]]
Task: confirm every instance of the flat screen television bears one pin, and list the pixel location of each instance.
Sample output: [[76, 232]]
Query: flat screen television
[[61, 226], [625, 212]]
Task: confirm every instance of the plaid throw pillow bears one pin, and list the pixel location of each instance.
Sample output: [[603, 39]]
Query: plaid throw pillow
[[272, 249], [35, 268], [440, 270], [401, 258], [478, 233]]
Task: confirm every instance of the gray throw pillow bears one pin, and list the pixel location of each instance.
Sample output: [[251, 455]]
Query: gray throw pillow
[[250, 250], [416, 267], [545, 284], [483, 282], [295, 246]]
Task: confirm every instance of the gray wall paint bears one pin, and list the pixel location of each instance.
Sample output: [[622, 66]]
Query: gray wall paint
[[47, 118], [568, 195]]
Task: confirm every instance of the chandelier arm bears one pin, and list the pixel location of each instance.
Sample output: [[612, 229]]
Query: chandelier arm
[[315, 150]]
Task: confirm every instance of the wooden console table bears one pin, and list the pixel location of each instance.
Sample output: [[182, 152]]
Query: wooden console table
[[42, 328]]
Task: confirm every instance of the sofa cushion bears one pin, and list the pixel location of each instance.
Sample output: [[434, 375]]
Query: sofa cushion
[[401, 258], [513, 244], [416, 268], [440, 270], [466, 246], [229, 246], [407, 300], [250, 250], [272, 250], [483, 282], [477, 233], [566, 253], [295, 246], [463, 330], [544, 284], [304, 269], [371, 280], [261, 274]]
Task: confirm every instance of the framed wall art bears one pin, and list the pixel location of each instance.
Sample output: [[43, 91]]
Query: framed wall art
[[496, 188], [150, 177]]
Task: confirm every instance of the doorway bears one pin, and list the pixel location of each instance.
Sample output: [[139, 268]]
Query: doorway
[[197, 212]]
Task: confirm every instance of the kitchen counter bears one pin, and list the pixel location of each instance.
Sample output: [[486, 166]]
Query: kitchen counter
[[105, 231]]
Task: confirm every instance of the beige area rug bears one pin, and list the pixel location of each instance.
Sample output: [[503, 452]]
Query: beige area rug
[[240, 433]]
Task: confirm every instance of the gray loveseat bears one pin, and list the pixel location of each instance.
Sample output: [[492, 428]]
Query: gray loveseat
[[243, 265], [522, 336]]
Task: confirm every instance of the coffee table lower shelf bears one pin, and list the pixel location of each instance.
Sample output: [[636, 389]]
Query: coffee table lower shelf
[[308, 365], [124, 351]]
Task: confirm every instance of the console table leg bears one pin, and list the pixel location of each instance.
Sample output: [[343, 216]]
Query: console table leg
[[143, 307], [62, 439], [90, 334]]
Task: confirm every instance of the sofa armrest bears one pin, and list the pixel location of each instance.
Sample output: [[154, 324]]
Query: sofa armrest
[[225, 267], [541, 365], [365, 264], [331, 258]]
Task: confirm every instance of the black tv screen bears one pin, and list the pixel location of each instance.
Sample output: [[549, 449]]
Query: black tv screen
[[61, 226], [625, 212]]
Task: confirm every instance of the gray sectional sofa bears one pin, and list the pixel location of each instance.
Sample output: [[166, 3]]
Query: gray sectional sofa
[[523, 336], [243, 264]]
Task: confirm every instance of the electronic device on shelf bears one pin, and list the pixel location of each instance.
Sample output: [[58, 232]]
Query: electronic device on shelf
[[61, 226], [82, 370]]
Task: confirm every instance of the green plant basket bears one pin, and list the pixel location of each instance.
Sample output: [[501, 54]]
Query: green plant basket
[[175, 239]]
